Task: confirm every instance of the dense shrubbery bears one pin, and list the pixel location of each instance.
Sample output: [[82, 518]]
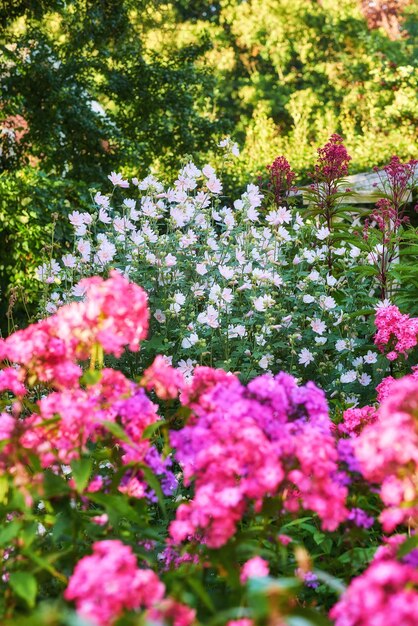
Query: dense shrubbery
[[175, 501], [222, 490]]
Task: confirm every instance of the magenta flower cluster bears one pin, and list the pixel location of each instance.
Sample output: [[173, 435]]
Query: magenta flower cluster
[[388, 453], [396, 332], [242, 444]]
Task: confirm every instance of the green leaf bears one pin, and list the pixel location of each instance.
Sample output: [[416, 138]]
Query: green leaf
[[25, 586], [9, 532], [154, 483], [334, 583], [407, 546], [307, 617], [152, 428], [81, 469], [115, 429], [116, 506], [201, 592]]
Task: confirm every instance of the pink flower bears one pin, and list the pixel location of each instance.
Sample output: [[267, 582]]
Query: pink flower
[[171, 612], [386, 593], [165, 380], [108, 582], [254, 568], [388, 452]]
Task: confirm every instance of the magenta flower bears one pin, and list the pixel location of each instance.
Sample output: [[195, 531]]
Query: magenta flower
[[109, 582]]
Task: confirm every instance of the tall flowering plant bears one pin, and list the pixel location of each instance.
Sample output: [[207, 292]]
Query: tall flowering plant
[[325, 194], [385, 232]]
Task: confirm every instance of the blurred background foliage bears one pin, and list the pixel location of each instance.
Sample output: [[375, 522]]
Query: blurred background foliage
[[88, 86]]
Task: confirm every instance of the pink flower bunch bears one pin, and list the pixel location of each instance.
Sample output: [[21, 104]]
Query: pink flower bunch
[[69, 418], [244, 443], [384, 387], [172, 613], [400, 178], [281, 179], [254, 568], [109, 582], [395, 329], [333, 160], [165, 380], [386, 593], [354, 420], [114, 314], [387, 451]]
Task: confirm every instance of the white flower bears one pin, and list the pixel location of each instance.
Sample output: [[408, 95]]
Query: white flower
[[263, 302], [370, 357], [283, 234], [365, 379], [186, 368], [235, 149], [78, 290], [81, 230], [214, 185], [331, 281], [280, 216], [323, 233], [354, 252], [179, 298], [201, 269], [305, 357], [117, 180], [226, 272], [383, 304], [265, 361], [348, 377], [106, 252], [227, 295], [341, 345], [84, 249], [320, 340], [236, 331], [189, 341], [318, 326], [160, 316], [327, 302], [209, 317], [69, 260], [104, 216], [252, 215], [102, 200], [314, 276], [208, 171], [170, 260], [76, 218], [358, 361], [308, 299]]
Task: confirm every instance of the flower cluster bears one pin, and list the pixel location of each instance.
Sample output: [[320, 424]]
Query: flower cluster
[[240, 285], [281, 179], [244, 443], [113, 314], [386, 593], [109, 582], [397, 331], [388, 453]]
